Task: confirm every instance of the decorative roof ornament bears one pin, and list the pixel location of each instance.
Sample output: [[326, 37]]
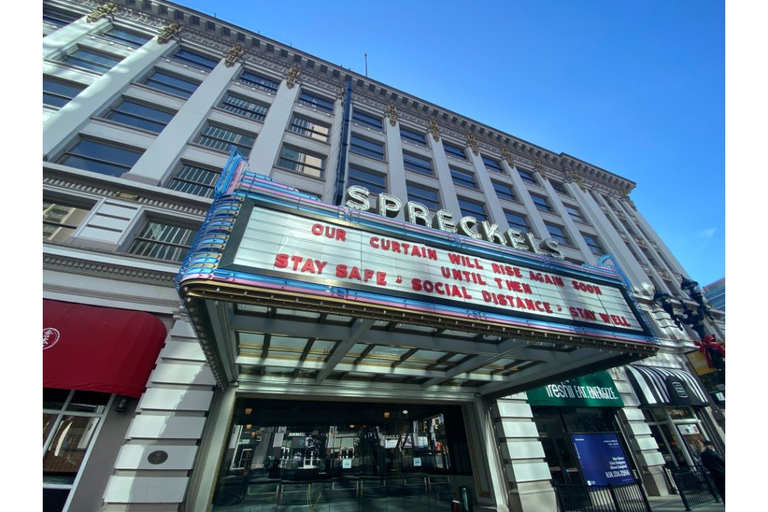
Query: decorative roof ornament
[[106, 10], [537, 166], [472, 141], [233, 55], [506, 154], [169, 32], [574, 177], [434, 129], [292, 76], [625, 196], [342, 92], [392, 113]]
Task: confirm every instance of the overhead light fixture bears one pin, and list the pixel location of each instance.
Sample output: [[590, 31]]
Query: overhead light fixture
[[248, 426], [386, 414], [405, 411], [248, 410]]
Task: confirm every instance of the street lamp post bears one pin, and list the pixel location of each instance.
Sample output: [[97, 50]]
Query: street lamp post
[[695, 319]]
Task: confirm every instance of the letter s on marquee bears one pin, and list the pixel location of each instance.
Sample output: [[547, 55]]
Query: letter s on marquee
[[360, 194]]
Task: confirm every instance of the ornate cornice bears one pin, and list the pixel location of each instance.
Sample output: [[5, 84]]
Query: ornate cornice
[[112, 271]]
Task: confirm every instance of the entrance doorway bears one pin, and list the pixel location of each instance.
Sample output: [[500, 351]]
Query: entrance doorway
[[341, 456]]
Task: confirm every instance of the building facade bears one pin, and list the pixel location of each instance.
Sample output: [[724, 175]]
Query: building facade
[[165, 397], [715, 294]]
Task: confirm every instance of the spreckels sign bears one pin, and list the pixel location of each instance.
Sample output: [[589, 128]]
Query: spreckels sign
[[416, 213], [278, 243]]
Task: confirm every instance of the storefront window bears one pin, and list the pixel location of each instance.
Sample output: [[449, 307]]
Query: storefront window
[[70, 423], [336, 455]]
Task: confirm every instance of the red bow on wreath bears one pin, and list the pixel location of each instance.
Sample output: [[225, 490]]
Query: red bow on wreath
[[713, 352]]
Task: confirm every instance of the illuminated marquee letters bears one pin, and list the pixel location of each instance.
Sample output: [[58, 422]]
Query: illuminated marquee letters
[[358, 198]]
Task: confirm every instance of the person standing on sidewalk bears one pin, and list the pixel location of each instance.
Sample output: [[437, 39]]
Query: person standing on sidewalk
[[715, 464]]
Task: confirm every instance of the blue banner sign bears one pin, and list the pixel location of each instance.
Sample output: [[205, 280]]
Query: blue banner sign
[[602, 459]]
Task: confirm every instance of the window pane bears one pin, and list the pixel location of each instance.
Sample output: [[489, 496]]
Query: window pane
[[163, 241], [366, 120], [299, 161], [366, 147], [140, 116], [376, 183], [88, 59], [125, 37], [417, 164], [58, 93], [315, 101], [454, 151], [559, 187], [412, 136], [65, 454], [195, 60], [492, 164], [516, 221], [558, 234], [423, 195], [310, 129], [61, 220], [244, 108], [54, 398], [471, 209], [99, 157], [221, 138], [575, 213], [527, 176], [58, 18], [541, 203], [171, 84], [504, 191], [194, 180], [463, 178], [594, 245], [258, 81]]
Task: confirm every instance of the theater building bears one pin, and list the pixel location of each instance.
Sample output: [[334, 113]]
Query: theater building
[[271, 283]]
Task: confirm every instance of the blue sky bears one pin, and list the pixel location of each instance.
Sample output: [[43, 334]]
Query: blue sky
[[634, 87]]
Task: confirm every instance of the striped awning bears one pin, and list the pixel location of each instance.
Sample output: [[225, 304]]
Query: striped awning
[[657, 386]]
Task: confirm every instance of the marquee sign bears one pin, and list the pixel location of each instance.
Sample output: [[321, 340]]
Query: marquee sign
[[264, 239], [292, 246]]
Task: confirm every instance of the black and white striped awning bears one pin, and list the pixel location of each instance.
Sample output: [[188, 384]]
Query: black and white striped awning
[[657, 386]]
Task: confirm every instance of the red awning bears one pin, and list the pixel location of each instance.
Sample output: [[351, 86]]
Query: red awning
[[99, 349]]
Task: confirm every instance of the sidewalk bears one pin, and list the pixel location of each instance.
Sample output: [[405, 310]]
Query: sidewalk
[[674, 503]]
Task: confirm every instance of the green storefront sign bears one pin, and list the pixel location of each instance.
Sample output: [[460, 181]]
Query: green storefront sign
[[594, 390]]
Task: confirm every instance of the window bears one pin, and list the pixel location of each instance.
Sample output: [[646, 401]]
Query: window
[[558, 233], [504, 191], [219, 138], [593, 245], [366, 147], [454, 151], [311, 129], [70, 420], [517, 221], [417, 164], [366, 120], [575, 214], [559, 187], [195, 60], [140, 116], [100, 157], [493, 165], [244, 108], [61, 219], [412, 136], [424, 195], [163, 241], [527, 176], [373, 181], [195, 180], [259, 82], [172, 84], [57, 93], [472, 209], [541, 203], [58, 18], [125, 37], [463, 178], [299, 161], [89, 59], [317, 102]]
